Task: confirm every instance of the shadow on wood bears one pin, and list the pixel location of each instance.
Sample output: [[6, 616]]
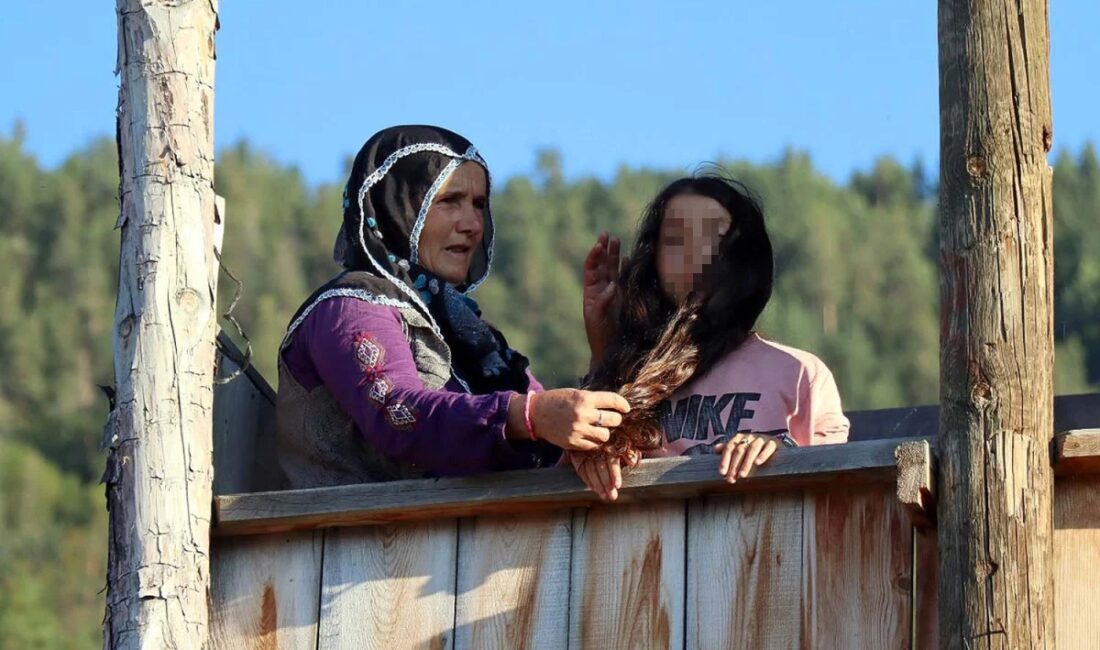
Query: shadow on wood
[[822, 539]]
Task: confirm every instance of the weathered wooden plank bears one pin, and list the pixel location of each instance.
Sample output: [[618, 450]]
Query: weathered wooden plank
[[1077, 563], [628, 576], [857, 559], [744, 571], [244, 421], [389, 587], [916, 487], [244, 426], [520, 491], [1077, 452], [264, 592], [513, 581], [926, 612]]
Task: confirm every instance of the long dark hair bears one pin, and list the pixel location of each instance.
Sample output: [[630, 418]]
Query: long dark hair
[[659, 346]]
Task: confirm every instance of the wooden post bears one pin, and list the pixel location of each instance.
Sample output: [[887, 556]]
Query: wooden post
[[996, 333], [159, 472]]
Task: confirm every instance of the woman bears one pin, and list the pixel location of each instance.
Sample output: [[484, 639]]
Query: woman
[[388, 371], [683, 347]]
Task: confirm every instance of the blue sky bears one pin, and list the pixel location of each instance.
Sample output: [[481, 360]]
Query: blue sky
[[606, 83]]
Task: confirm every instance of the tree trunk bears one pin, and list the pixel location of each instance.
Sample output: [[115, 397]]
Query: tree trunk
[[996, 332], [159, 472]]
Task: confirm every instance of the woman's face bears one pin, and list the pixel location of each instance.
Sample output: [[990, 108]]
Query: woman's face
[[691, 232], [455, 224]]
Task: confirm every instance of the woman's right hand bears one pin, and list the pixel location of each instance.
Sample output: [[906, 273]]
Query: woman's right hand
[[576, 419]]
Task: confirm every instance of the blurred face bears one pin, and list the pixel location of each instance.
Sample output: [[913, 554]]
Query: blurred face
[[691, 232], [455, 224]]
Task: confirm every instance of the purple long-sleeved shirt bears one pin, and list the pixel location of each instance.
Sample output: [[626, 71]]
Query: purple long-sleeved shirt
[[359, 352]]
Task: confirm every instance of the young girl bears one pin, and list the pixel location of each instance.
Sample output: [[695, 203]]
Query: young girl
[[681, 347]]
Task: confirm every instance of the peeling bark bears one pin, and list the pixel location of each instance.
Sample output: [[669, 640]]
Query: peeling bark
[[159, 471]]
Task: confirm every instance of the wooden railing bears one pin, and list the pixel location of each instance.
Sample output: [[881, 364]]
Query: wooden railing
[[825, 547]]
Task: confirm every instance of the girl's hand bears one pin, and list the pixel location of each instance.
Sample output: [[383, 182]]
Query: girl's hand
[[574, 419], [602, 474], [601, 294], [742, 453]]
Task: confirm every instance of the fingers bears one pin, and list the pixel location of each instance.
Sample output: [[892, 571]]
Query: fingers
[[616, 478], [603, 471], [612, 259], [732, 453], [595, 263], [608, 400], [751, 453], [742, 453], [726, 449], [769, 448], [581, 444], [587, 471], [606, 418], [594, 260], [597, 476], [607, 295], [595, 435]]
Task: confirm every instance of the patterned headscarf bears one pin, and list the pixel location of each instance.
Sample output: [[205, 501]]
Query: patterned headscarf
[[393, 181]]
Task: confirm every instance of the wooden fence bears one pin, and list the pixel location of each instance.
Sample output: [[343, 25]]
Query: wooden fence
[[818, 550]]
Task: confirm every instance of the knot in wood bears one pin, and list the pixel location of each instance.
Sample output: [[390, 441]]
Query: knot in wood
[[126, 327], [975, 166], [981, 393], [189, 300]]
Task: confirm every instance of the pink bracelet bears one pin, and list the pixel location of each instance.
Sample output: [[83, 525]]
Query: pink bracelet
[[527, 405]]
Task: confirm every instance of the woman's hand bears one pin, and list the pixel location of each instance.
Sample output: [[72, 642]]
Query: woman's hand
[[601, 473], [601, 294], [742, 453], [576, 419]]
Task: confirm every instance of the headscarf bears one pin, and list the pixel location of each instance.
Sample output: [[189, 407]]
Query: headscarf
[[393, 181]]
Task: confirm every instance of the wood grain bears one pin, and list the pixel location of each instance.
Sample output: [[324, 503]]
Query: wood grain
[[857, 559], [159, 475], [1077, 564], [744, 571], [264, 592], [996, 254], [1077, 452], [513, 581], [628, 577], [389, 587], [916, 485]]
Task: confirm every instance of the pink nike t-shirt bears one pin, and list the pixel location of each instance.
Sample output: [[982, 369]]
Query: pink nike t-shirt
[[761, 387]]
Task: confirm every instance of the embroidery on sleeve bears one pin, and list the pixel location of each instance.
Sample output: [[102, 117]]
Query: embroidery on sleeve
[[369, 353], [401, 416], [371, 356], [380, 390]]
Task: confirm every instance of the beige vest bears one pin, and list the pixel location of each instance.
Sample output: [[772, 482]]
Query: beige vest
[[318, 443]]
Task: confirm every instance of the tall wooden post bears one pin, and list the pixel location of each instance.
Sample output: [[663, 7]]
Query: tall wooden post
[[996, 335], [159, 473]]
